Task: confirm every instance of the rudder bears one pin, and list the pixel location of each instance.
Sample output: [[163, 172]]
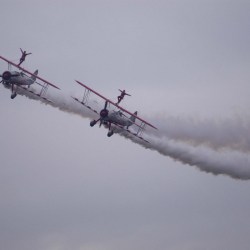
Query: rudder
[[33, 77]]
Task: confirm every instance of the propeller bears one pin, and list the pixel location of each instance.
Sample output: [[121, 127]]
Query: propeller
[[105, 105], [7, 75], [104, 113]]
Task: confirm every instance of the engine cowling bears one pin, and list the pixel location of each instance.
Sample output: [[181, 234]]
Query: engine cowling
[[6, 76], [104, 113]]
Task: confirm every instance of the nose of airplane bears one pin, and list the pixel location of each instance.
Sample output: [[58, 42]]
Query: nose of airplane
[[6, 76]]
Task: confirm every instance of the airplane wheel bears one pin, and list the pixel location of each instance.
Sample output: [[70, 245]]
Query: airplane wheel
[[13, 96], [92, 123], [110, 133]]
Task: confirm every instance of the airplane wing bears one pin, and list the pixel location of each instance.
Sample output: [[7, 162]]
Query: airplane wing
[[134, 134], [143, 122], [34, 93], [31, 74]]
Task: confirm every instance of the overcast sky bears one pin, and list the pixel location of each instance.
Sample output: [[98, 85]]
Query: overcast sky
[[64, 185]]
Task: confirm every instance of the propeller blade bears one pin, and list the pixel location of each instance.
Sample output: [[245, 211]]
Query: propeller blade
[[106, 104]]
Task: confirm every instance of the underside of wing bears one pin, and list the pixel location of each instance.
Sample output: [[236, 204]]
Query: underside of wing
[[39, 95], [132, 133], [85, 105]]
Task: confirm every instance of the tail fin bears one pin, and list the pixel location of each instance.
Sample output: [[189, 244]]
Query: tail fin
[[33, 77], [132, 119]]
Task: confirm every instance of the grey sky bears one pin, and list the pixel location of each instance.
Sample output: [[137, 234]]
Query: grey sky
[[64, 185]]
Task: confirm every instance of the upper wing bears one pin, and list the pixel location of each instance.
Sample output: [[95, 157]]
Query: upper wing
[[121, 108], [25, 70]]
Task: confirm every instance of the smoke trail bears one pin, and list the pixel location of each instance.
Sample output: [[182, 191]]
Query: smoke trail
[[230, 133], [213, 155], [59, 99], [232, 163]]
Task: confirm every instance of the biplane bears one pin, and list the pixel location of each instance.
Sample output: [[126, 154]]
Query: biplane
[[22, 79], [112, 116]]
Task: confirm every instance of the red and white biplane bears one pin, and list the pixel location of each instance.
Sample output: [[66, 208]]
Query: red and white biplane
[[113, 116], [22, 79]]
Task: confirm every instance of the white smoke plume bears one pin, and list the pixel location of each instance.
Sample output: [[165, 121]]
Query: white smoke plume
[[233, 163], [217, 147], [229, 133]]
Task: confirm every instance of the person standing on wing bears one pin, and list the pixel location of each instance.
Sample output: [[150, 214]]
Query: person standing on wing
[[121, 96], [24, 54]]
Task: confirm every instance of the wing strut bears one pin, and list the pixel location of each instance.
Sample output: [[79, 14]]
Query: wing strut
[[85, 96], [9, 66], [141, 129]]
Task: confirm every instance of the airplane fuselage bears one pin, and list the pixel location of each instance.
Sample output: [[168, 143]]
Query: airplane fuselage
[[116, 117], [17, 78]]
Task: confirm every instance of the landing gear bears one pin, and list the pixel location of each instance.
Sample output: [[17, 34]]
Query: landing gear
[[13, 95], [110, 133], [92, 123]]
